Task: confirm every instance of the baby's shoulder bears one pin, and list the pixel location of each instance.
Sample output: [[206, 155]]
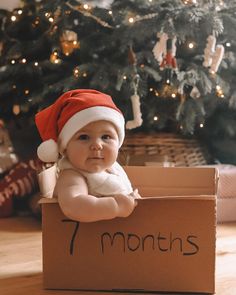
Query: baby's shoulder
[[70, 175]]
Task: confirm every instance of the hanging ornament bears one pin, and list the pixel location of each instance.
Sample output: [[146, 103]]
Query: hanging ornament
[[135, 100], [169, 63], [159, 50], [69, 42], [213, 54]]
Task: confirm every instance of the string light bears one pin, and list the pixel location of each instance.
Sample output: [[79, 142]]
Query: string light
[[76, 72], [201, 125], [20, 11], [23, 60], [155, 118], [86, 6], [13, 18], [27, 91], [227, 44], [16, 109], [124, 77], [13, 61], [131, 20], [54, 58], [36, 63], [84, 75], [191, 45], [110, 12], [219, 91], [51, 19], [173, 95]]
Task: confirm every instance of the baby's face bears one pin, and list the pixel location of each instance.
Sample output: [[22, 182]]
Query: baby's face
[[94, 148]]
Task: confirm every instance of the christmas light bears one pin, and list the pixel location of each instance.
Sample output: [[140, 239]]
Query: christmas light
[[86, 6], [13, 18], [23, 60], [227, 44], [84, 75], [51, 19], [110, 12], [191, 45], [16, 109], [173, 95], [36, 63], [47, 14], [131, 20], [27, 91], [36, 21], [20, 11], [201, 125], [76, 72], [150, 89], [124, 77], [13, 61], [155, 118]]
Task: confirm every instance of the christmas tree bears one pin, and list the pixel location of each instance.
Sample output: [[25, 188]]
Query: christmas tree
[[169, 65]]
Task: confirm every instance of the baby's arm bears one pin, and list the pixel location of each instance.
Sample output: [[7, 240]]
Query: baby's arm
[[77, 204]]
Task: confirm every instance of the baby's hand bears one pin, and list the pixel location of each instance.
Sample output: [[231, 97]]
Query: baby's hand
[[135, 194], [126, 205]]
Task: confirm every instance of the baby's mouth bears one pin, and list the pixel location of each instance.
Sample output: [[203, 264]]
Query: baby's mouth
[[96, 158]]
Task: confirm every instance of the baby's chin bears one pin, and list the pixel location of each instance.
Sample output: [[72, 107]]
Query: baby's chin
[[95, 169]]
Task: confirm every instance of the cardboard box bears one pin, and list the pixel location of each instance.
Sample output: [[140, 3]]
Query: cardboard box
[[166, 244]]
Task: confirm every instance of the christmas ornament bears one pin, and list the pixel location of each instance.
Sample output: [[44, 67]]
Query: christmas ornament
[[169, 62], [159, 50], [213, 54], [135, 100], [69, 42]]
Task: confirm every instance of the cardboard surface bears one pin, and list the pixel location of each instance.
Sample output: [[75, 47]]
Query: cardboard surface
[[166, 244]]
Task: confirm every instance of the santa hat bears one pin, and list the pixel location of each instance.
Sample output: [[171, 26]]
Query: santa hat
[[71, 112]]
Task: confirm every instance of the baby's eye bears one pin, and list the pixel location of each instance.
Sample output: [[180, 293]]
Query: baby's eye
[[83, 137], [106, 137]]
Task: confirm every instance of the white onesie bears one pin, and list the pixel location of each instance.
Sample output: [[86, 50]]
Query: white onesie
[[105, 183]]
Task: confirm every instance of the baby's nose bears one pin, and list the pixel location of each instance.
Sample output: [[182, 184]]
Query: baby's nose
[[96, 144]]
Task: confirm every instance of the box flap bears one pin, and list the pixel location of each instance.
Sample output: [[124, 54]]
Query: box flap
[[156, 181]]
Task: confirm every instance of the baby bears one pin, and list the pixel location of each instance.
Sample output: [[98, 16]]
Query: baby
[[87, 129]]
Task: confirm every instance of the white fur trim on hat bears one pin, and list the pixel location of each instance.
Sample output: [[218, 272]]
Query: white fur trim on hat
[[89, 115], [48, 151]]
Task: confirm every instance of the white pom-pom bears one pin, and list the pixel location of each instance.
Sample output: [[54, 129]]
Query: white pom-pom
[[48, 151]]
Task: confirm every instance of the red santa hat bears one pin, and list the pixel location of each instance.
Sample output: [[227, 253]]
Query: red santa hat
[[71, 112]]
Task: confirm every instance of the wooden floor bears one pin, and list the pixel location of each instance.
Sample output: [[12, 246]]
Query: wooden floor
[[21, 259]]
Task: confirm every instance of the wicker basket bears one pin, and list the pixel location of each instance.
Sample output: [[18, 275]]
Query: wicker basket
[[159, 147]]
